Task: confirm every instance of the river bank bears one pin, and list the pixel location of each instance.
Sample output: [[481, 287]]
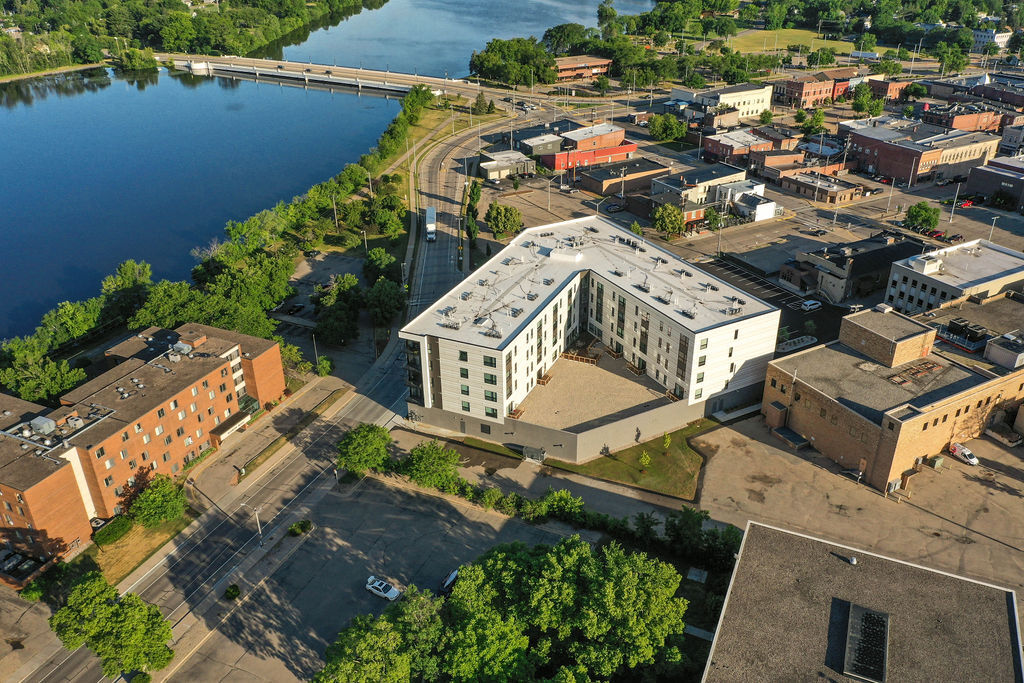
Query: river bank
[[52, 72]]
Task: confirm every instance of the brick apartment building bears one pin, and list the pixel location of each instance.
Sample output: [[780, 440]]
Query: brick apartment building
[[804, 92], [964, 117], [580, 66], [888, 90], [734, 147], [880, 398], [169, 396]]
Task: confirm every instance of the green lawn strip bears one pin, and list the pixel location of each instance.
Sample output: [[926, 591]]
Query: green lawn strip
[[275, 445], [120, 559], [674, 474], [495, 448]]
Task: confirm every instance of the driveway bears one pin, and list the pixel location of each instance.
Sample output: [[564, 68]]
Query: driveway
[[405, 535], [963, 519]]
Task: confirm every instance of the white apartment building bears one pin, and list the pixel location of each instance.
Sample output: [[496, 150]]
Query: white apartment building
[[475, 355], [973, 269], [749, 98], [984, 36]]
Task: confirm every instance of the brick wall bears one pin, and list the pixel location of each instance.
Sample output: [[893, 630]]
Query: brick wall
[[264, 375], [48, 518], [881, 348]]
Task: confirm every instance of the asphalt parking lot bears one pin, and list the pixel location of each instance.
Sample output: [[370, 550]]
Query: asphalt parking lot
[[404, 535]]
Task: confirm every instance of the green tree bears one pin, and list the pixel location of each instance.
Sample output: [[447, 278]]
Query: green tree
[[665, 127], [364, 448], [889, 67], [503, 220], [876, 107], [562, 38], [127, 287], [766, 117], [602, 84], [908, 111], [379, 263], [800, 116], [385, 300], [822, 57], [515, 61], [431, 464], [991, 49], [324, 366], [161, 501], [714, 218], [169, 304], [666, 443], [916, 90], [368, 650], [644, 461], [668, 220], [480, 105], [815, 123], [124, 632], [636, 229], [922, 215], [40, 379], [491, 108]]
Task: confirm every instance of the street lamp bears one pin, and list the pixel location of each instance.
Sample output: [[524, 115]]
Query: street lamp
[[369, 181], [993, 228], [366, 246], [256, 511], [597, 208]]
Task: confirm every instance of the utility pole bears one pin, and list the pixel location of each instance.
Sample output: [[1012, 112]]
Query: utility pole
[[256, 511], [952, 207], [892, 188], [993, 228], [316, 356]]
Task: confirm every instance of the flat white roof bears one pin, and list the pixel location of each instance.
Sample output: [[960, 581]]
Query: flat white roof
[[489, 308], [971, 264], [590, 131], [542, 139]]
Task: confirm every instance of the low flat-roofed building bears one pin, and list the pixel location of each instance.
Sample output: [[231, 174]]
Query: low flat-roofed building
[[749, 99], [801, 608], [1001, 175], [964, 116], [693, 184], [838, 272], [594, 137], [804, 91], [541, 144], [881, 398], [888, 90], [622, 177], [985, 333], [977, 268], [497, 165], [735, 146], [477, 353], [580, 67], [577, 159], [782, 138], [822, 188]]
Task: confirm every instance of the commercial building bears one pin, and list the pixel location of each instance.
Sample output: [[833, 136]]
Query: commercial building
[[601, 136], [977, 269], [819, 188], [838, 272], [881, 399], [169, 396], [984, 36], [963, 116], [888, 90], [913, 151], [693, 184], [538, 145], [984, 333], [497, 165], [1012, 142], [1001, 175], [781, 137], [803, 92], [580, 66], [622, 177], [748, 99], [801, 608], [477, 356], [843, 79], [573, 159], [775, 165], [734, 147]]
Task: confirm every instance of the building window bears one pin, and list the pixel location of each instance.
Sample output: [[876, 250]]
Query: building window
[[227, 412], [492, 413], [206, 385], [181, 415], [167, 440], [700, 377], [160, 413], [490, 379], [174, 405], [109, 463], [124, 436], [924, 427], [703, 344], [229, 398], [145, 438], [179, 431], [108, 482], [159, 430], [188, 440], [145, 456], [195, 391], [222, 388], [124, 454], [463, 373], [463, 356], [486, 429], [192, 408], [165, 457], [209, 411], [465, 406], [119, 491], [698, 393], [212, 394], [174, 467], [100, 452], [132, 464], [490, 396], [821, 413], [701, 361], [773, 382], [224, 372], [490, 362], [465, 389]]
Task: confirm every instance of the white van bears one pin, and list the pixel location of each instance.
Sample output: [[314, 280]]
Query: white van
[[810, 305]]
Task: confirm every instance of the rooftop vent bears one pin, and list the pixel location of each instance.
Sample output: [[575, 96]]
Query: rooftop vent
[[465, 296], [451, 324], [174, 357], [480, 320], [493, 332], [548, 281], [182, 347], [532, 296], [76, 422], [591, 228], [516, 312], [617, 272]]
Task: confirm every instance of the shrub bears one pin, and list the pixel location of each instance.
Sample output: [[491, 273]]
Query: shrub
[[490, 497], [161, 501], [141, 678], [114, 530], [430, 464], [299, 528], [232, 592], [509, 504], [33, 592], [561, 504]]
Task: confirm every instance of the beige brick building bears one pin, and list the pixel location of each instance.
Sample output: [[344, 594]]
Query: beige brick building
[[881, 397]]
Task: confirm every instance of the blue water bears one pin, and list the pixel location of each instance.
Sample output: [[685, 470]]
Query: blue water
[[96, 169]]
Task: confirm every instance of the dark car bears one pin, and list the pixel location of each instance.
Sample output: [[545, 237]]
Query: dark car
[[615, 208], [819, 232], [295, 308], [311, 253]]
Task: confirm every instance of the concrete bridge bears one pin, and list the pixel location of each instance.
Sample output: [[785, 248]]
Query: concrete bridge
[[309, 74]]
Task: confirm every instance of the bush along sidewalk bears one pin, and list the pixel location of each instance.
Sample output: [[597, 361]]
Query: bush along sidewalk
[[681, 534]]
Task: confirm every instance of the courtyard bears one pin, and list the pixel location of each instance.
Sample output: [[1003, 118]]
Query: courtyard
[[565, 402]]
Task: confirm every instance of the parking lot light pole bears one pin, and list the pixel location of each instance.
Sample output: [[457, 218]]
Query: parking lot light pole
[[256, 511], [952, 207], [993, 228], [892, 188], [597, 208]]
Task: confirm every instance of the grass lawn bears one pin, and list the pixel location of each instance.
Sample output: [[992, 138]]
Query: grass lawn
[[119, 559], [674, 474], [755, 40], [490, 447]]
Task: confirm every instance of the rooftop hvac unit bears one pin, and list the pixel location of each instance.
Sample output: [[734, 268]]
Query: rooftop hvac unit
[[182, 347], [174, 357], [76, 422], [43, 425], [548, 281], [532, 296]]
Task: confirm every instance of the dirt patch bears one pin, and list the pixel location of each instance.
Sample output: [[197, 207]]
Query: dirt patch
[[765, 479], [706, 448], [755, 495]]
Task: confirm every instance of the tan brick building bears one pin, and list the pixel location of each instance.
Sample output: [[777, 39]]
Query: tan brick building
[[169, 396], [880, 397]]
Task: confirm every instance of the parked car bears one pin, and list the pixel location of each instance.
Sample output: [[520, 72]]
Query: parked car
[[294, 308], [956, 238], [819, 232], [643, 124], [382, 588], [448, 583], [311, 253], [943, 183], [962, 452], [964, 204], [494, 181], [615, 208], [574, 190], [885, 181], [564, 188], [810, 305]]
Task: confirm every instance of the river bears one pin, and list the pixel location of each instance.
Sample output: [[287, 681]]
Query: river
[[97, 168]]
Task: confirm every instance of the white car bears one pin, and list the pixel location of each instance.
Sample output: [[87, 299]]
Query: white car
[[382, 588], [810, 305], [962, 452]]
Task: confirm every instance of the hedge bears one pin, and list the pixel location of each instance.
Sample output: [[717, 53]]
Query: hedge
[[113, 531]]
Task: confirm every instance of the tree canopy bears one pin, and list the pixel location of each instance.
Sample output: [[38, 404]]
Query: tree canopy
[[364, 448], [922, 215], [125, 633], [565, 612], [161, 501]]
